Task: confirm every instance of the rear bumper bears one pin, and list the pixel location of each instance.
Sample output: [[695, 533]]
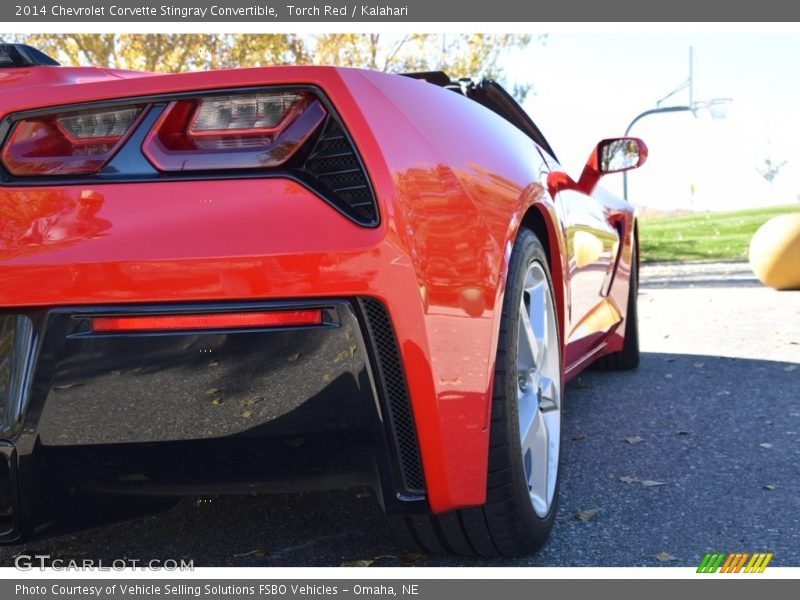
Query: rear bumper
[[199, 412], [228, 241]]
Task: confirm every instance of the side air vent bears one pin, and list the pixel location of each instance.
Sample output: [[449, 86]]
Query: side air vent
[[335, 165], [392, 383]]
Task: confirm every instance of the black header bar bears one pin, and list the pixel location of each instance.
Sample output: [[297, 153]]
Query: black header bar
[[437, 11]]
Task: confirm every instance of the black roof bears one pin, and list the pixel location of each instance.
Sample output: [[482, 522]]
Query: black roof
[[493, 96], [22, 55]]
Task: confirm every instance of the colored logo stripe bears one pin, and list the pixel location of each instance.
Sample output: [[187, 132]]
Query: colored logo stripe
[[710, 563], [758, 563], [740, 563], [734, 562]]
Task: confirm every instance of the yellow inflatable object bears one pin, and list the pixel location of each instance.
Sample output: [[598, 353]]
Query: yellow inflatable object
[[775, 252]]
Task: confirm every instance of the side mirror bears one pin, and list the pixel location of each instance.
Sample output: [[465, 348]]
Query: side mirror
[[613, 155], [620, 154]]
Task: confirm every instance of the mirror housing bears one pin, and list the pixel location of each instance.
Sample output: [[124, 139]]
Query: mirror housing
[[613, 155]]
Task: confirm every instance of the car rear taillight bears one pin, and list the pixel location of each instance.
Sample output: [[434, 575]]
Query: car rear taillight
[[68, 143], [232, 131], [211, 321]]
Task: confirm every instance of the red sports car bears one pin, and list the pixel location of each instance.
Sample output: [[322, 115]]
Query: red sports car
[[292, 278]]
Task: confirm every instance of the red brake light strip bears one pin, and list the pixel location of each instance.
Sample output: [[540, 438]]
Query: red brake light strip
[[183, 322]]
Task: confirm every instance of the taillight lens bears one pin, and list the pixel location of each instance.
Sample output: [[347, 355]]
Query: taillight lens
[[68, 143], [232, 131], [196, 321]]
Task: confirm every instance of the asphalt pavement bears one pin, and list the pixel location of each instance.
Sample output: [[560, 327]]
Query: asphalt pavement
[[697, 451]]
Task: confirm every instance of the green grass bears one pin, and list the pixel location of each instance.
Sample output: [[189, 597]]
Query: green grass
[[704, 236]]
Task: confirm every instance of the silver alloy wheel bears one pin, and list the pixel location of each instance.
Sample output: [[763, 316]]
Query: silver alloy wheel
[[539, 388]]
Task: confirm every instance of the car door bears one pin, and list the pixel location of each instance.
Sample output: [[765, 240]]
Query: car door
[[592, 231], [592, 247]]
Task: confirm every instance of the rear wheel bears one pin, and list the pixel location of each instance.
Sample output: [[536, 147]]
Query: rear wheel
[[525, 433], [627, 358]]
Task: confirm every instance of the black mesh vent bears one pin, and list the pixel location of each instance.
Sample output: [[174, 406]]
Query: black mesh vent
[[8, 500], [335, 165], [392, 382]]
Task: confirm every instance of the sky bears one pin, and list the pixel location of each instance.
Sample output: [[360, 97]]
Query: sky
[[590, 86]]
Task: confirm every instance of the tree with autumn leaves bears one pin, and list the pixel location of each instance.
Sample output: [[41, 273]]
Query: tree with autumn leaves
[[460, 55]]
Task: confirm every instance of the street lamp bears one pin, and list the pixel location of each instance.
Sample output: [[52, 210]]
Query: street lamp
[[715, 107]]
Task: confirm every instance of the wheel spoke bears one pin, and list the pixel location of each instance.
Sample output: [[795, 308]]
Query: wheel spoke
[[549, 394], [536, 443], [528, 350], [537, 319], [538, 392], [528, 406]]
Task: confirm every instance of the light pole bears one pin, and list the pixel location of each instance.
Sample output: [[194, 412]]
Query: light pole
[[692, 107]]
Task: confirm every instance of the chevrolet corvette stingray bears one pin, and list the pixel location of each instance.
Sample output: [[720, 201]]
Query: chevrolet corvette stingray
[[298, 278]]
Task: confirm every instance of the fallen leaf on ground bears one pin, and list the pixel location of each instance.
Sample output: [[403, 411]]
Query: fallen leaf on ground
[[665, 557], [211, 391], [629, 479], [293, 357], [217, 401], [65, 386], [247, 414], [411, 559], [357, 563], [579, 436], [770, 487], [766, 445], [586, 515], [651, 483], [250, 401], [634, 439], [253, 553]]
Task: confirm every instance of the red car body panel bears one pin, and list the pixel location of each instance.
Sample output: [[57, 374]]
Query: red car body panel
[[451, 200]]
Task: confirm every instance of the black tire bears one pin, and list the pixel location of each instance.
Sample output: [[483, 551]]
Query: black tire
[[507, 525], [626, 359]]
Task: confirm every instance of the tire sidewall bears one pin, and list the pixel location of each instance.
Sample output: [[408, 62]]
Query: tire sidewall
[[527, 250]]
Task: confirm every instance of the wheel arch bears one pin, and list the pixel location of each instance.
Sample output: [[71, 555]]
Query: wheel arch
[[542, 221]]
